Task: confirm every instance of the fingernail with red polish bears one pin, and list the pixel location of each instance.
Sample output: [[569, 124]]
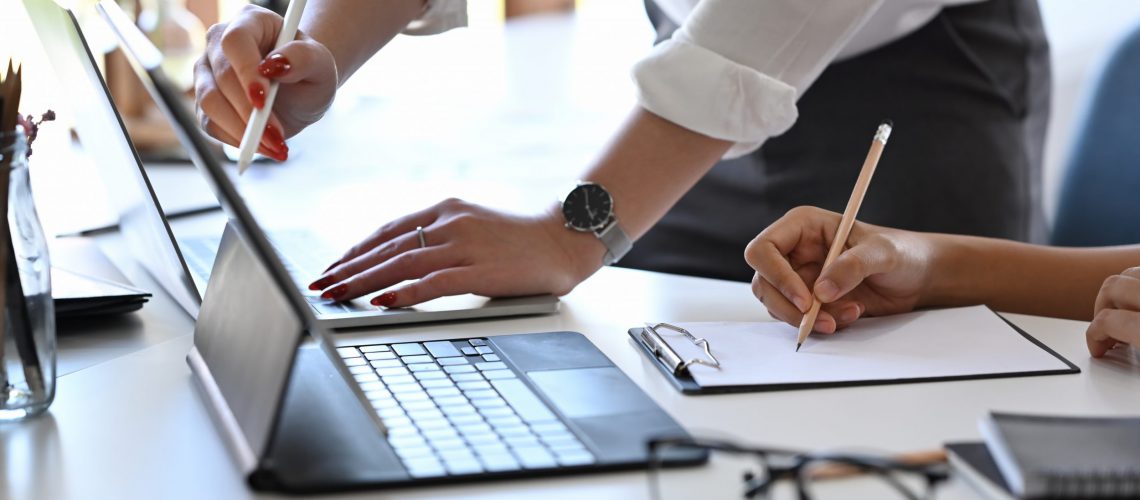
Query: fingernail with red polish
[[274, 66], [336, 292], [320, 284], [385, 299], [257, 95]]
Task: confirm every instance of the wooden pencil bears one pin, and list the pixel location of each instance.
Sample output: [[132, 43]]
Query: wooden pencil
[[848, 220]]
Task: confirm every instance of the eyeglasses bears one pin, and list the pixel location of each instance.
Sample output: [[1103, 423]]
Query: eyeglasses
[[759, 472]]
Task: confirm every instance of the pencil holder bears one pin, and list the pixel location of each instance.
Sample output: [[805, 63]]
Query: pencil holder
[[27, 374]]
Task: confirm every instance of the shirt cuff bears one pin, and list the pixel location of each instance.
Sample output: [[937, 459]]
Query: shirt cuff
[[439, 16], [707, 93]]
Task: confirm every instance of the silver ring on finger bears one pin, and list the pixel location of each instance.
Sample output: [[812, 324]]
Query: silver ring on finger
[[420, 233]]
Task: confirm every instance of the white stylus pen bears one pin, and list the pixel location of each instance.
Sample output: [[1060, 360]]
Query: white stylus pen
[[259, 117]]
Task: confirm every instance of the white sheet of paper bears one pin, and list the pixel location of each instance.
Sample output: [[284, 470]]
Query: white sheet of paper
[[964, 341]]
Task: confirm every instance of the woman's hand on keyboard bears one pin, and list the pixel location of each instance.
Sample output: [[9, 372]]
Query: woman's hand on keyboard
[[234, 74], [469, 249]]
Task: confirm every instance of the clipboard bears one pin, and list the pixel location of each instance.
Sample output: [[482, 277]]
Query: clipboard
[[675, 368]]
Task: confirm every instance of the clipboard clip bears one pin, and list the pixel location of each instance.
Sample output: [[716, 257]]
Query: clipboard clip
[[661, 349]]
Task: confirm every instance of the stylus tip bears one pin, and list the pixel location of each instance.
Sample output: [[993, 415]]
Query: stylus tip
[[798, 344]]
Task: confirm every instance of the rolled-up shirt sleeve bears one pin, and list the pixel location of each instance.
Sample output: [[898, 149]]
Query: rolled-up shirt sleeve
[[735, 68], [439, 16]]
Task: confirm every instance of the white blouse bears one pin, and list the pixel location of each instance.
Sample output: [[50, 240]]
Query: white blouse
[[735, 68]]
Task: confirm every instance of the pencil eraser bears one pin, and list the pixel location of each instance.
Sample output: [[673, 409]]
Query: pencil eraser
[[888, 122]]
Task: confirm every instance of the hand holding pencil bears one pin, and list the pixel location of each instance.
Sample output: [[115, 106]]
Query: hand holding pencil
[[243, 60], [882, 271]]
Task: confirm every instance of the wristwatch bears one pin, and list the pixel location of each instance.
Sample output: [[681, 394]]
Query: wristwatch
[[590, 208]]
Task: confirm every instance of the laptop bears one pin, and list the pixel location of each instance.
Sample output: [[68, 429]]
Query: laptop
[[308, 416], [182, 266]]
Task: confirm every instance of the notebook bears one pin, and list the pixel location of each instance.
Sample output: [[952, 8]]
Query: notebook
[[972, 463], [923, 346], [1075, 457]]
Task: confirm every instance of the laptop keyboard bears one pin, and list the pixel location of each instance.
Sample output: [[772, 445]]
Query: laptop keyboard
[[301, 262], [454, 408]]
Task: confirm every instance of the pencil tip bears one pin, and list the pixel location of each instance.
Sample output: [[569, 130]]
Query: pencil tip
[[798, 344]]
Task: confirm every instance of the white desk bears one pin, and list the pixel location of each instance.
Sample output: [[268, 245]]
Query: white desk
[[127, 423], [134, 427]]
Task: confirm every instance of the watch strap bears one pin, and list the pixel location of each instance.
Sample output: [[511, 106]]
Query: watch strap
[[617, 243]]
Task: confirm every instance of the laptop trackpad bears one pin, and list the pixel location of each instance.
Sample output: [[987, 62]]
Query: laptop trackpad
[[591, 392]]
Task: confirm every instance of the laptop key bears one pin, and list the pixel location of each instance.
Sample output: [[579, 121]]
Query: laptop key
[[373, 356], [407, 397], [548, 427], [359, 369], [517, 441], [481, 437], [451, 361], [409, 349], [416, 359], [499, 462], [348, 352], [387, 363], [469, 351], [572, 458], [534, 457], [374, 348], [461, 467], [443, 437], [417, 415], [507, 420], [366, 377], [473, 385], [477, 342], [439, 392], [423, 367], [484, 349], [437, 383], [484, 366], [414, 452], [445, 401], [354, 362], [399, 388], [425, 404], [390, 412], [433, 423], [372, 386], [380, 404], [481, 394], [490, 448], [513, 430], [430, 375], [520, 397], [473, 428], [466, 377], [458, 410], [566, 446], [464, 418], [490, 357], [459, 369], [442, 349], [384, 373], [498, 374], [397, 421], [488, 403], [497, 412], [408, 441], [398, 379]]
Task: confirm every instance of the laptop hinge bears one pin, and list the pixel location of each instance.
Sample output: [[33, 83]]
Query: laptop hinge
[[219, 411]]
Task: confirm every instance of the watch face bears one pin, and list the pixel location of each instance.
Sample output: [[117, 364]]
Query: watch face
[[587, 207]]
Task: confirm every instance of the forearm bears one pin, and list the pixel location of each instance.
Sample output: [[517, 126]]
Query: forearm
[[649, 165], [1022, 278], [354, 30]]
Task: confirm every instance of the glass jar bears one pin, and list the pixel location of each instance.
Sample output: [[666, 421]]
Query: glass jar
[[27, 374]]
